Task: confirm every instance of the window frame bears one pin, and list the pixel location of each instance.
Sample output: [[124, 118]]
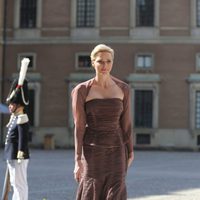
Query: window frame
[[86, 15], [144, 32], [21, 33], [138, 21], [21, 18], [74, 16], [198, 13], [154, 86], [152, 101], [195, 29], [86, 33], [77, 61], [142, 139], [198, 62], [144, 68], [197, 107], [17, 4], [194, 85], [28, 54], [36, 86]]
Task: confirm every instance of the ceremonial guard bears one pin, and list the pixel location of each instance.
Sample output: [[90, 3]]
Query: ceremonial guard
[[16, 143]]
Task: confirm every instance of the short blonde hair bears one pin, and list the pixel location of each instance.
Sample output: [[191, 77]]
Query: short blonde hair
[[101, 48]]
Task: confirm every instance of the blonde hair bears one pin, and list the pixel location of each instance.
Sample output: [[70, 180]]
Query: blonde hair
[[101, 48]]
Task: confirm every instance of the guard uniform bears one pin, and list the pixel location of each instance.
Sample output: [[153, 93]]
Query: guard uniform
[[17, 137]]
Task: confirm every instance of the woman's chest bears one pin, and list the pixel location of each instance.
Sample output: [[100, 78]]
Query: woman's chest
[[100, 92]]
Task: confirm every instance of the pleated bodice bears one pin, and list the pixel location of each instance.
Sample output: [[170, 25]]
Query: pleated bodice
[[103, 122]]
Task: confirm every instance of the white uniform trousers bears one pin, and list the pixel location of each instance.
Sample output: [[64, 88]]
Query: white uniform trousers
[[18, 178]]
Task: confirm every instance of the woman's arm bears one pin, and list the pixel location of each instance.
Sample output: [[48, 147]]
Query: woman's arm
[[126, 123], [78, 110]]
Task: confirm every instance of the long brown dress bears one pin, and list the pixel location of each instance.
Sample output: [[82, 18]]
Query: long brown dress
[[103, 138]]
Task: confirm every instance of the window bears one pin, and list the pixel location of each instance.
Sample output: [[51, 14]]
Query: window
[[194, 96], [198, 139], [31, 107], [198, 13], [33, 110], [83, 61], [145, 13], [32, 58], [85, 13], [143, 108], [144, 61], [197, 110], [142, 138], [198, 62], [28, 12]]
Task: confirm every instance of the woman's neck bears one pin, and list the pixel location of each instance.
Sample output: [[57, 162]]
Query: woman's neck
[[103, 81]]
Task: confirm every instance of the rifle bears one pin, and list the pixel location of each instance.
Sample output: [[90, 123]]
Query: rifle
[[6, 186]]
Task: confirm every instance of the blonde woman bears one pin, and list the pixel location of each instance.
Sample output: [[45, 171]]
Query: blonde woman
[[103, 131]]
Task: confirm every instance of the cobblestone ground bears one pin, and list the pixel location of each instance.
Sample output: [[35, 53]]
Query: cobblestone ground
[[155, 175]]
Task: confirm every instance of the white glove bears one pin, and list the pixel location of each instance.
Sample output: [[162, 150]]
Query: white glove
[[20, 156]]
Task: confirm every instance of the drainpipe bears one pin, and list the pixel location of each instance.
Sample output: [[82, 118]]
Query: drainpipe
[[2, 73]]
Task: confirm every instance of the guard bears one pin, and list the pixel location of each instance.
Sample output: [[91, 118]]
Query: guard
[[16, 143]]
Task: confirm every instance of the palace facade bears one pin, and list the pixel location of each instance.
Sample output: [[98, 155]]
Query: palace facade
[[157, 52]]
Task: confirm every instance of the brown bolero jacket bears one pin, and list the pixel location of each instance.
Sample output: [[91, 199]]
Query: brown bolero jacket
[[79, 94]]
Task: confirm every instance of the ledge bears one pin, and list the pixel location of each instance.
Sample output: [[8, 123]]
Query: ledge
[[77, 77], [143, 78], [32, 77], [193, 78]]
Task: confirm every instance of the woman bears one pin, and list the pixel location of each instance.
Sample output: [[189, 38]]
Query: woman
[[103, 131]]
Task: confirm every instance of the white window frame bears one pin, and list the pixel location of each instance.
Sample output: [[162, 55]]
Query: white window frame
[[198, 128], [198, 62], [36, 87], [196, 15], [138, 68], [27, 33], [19, 57], [144, 32], [155, 89], [139, 25], [193, 88], [76, 61], [84, 33], [195, 30]]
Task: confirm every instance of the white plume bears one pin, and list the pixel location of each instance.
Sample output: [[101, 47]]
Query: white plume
[[23, 70]]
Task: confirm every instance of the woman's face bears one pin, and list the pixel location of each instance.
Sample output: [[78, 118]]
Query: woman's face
[[103, 63]]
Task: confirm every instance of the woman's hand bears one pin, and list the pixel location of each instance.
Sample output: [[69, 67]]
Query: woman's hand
[[78, 170], [130, 158]]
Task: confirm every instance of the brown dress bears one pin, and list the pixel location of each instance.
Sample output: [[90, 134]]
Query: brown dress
[[103, 139]]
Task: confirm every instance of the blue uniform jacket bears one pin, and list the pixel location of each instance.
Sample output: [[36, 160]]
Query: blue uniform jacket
[[17, 137]]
